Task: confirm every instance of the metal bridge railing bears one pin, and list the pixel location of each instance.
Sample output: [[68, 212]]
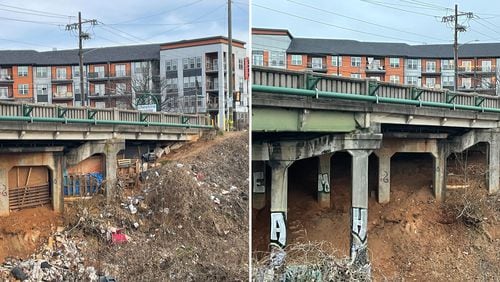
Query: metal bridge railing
[[12, 111], [392, 93]]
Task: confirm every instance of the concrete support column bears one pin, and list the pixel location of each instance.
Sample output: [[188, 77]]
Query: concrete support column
[[359, 213], [279, 202], [258, 184], [439, 164], [111, 149], [324, 185], [4, 191], [57, 180], [493, 173], [384, 176]]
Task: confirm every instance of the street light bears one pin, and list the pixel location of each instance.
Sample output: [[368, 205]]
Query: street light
[[455, 57]]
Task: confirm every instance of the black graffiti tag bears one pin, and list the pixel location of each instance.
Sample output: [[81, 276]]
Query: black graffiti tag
[[3, 190]]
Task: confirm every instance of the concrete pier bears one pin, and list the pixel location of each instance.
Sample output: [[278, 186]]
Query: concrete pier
[[324, 185]]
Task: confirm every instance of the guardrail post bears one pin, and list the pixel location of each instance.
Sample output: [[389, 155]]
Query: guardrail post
[[116, 114]]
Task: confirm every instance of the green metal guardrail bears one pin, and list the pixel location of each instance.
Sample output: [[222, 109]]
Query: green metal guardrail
[[367, 98], [98, 122]]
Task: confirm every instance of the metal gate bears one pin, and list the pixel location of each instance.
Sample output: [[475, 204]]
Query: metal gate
[[29, 186]]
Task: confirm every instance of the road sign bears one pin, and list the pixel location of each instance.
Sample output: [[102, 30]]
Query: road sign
[[150, 108]]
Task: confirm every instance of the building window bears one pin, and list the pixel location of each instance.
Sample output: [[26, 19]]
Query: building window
[[355, 61], [277, 59], [486, 82], [241, 63], [23, 89], [120, 70], [192, 63], [467, 66], [296, 60], [258, 59], [430, 66], [4, 92], [100, 89], [42, 72], [355, 75], [41, 89], [77, 88], [430, 82], [198, 62], [394, 62], [394, 79], [100, 71], [448, 81], [171, 83], [413, 64], [412, 80], [120, 88], [171, 65], [22, 71], [337, 61], [61, 91], [486, 66], [61, 73], [447, 64], [141, 67], [466, 82], [317, 63], [4, 74]]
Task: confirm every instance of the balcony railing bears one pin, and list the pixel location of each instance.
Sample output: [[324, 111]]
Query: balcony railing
[[212, 85], [97, 75], [317, 67], [6, 78], [120, 74], [212, 66], [62, 95], [481, 69], [375, 69]]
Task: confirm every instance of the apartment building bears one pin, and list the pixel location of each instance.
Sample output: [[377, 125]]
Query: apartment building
[[430, 66], [112, 76], [195, 79], [270, 47]]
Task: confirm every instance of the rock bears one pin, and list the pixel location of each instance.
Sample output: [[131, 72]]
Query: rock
[[45, 264], [18, 273]]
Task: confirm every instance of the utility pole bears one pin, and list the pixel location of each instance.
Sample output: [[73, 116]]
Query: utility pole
[[456, 29], [230, 58], [81, 36]]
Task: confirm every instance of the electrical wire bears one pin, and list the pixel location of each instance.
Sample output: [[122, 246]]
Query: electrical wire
[[161, 13], [399, 9]]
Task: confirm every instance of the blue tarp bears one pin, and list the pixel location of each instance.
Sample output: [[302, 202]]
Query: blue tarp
[[72, 188]]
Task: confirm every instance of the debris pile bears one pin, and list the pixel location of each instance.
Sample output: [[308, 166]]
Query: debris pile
[[59, 260]]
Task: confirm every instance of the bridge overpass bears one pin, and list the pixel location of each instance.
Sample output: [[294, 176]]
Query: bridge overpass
[[40, 143], [299, 115]]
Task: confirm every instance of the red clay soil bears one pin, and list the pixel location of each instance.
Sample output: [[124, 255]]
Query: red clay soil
[[408, 238], [22, 232]]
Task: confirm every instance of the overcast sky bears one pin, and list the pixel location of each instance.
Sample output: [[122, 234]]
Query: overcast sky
[[40, 24], [408, 21]]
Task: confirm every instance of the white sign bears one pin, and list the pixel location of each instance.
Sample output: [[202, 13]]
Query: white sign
[[150, 108]]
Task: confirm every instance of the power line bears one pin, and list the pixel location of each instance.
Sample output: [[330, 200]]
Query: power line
[[196, 19], [363, 21], [399, 9], [124, 32], [35, 14], [30, 21], [26, 43], [38, 11], [332, 25], [165, 24], [163, 12]]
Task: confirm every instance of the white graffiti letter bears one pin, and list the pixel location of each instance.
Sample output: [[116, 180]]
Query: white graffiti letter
[[323, 183], [359, 223], [259, 182], [278, 228]]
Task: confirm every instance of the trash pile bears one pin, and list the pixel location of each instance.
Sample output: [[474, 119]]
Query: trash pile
[[59, 260]]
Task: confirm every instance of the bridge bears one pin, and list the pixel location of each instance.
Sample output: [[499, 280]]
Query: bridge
[[40, 144], [301, 115]]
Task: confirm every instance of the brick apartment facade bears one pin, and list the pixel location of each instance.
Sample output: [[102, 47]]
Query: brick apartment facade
[[428, 66], [171, 73]]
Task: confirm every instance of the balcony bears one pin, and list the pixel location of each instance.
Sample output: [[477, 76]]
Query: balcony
[[477, 69], [213, 104], [62, 79], [58, 96], [6, 76], [97, 76], [212, 66], [212, 86], [317, 67], [120, 75], [375, 69], [6, 94], [466, 69], [431, 71]]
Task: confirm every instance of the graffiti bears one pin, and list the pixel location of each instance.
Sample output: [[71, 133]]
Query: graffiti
[[3, 190], [323, 183], [385, 178], [278, 229], [259, 182], [358, 235]]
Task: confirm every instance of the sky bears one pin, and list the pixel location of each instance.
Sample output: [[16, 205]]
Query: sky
[[40, 25], [406, 21]]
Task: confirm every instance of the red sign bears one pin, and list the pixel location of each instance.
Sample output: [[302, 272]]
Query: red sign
[[247, 68]]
